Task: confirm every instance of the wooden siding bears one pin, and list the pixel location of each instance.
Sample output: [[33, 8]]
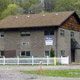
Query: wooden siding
[[71, 24]]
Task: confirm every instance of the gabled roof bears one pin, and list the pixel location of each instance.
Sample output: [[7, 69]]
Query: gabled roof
[[36, 20]]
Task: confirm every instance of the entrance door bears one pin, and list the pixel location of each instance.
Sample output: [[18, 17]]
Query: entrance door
[[72, 55]]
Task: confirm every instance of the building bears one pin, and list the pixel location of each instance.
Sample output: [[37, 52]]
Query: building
[[35, 35]]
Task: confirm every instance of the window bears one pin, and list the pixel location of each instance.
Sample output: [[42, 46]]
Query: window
[[72, 34], [25, 43], [63, 53], [62, 33], [49, 32], [79, 35], [1, 35], [22, 33], [47, 53], [25, 53], [25, 33], [1, 53]]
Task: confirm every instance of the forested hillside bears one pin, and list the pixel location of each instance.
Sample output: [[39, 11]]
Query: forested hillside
[[18, 7]]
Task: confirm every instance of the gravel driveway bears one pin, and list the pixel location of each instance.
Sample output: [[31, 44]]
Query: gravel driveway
[[13, 72]]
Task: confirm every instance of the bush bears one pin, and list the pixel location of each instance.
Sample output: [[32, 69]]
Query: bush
[[52, 53]]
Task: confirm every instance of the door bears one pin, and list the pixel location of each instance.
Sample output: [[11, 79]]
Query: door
[[10, 53], [72, 55]]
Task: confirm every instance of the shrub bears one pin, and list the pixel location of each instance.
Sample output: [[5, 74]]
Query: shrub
[[52, 53]]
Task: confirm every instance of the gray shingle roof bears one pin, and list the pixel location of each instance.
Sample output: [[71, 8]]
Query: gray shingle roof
[[35, 20]]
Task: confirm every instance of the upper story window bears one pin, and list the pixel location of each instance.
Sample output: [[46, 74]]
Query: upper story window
[[25, 53], [49, 32], [25, 33], [72, 34], [1, 34], [62, 32]]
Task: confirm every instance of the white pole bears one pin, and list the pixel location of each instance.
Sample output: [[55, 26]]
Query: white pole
[[61, 60], [68, 59], [18, 60], [32, 60], [3, 60], [47, 60]]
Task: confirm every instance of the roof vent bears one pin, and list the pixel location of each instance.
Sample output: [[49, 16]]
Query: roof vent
[[16, 17], [28, 16], [57, 14], [44, 15]]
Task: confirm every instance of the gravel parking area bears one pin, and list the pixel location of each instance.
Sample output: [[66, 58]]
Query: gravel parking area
[[13, 72]]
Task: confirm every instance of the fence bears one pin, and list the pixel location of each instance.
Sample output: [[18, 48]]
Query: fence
[[34, 60]]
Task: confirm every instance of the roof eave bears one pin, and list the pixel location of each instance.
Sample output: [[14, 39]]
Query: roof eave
[[32, 27]]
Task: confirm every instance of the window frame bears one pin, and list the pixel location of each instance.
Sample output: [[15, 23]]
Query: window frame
[[48, 32], [62, 32], [1, 53], [46, 51], [72, 35], [25, 43], [24, 34], [25, 54], [79, 35], [1, 34], [63, 53]]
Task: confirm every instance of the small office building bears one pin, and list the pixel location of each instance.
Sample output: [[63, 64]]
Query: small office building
[[35, 35]]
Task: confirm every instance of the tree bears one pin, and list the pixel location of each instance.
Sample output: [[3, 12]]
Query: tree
[[4, 4], [49, 5], [26, 5], [36, 8], [64, 5], [52, 53], [12, 9]]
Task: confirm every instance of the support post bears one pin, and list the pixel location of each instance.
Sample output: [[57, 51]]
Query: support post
[[54, 60], [32, 60], [47, 60], [17, 60], [3, 60]]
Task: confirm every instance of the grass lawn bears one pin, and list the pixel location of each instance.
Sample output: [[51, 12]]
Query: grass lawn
[[57, 73]]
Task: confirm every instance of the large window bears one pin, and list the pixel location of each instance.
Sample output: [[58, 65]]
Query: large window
[[62, 32], [25, 53], [49, 32], [63, 53], [72, 34], [1, 34], [47, 53], [25, 33]]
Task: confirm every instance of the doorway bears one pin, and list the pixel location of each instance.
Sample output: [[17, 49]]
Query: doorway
[[72, 55]]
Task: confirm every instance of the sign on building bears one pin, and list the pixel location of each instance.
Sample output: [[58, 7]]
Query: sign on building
[[49, 41]]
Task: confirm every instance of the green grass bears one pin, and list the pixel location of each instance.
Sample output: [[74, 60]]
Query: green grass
[[57, 73]]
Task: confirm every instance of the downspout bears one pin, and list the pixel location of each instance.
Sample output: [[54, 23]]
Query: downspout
[[56, 42]]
